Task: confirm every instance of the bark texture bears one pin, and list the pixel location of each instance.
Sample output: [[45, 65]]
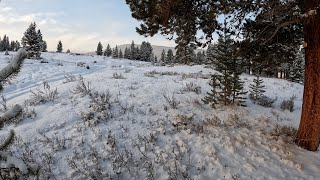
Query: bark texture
[[308, 135]]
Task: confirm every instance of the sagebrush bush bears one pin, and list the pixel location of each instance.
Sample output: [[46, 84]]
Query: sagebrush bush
[[283, 130], [118, 76], [173, 102], [43, 96], [191, 87], [264, 101]]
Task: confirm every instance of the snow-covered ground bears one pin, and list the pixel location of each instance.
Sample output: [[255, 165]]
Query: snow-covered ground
[[153, 128]]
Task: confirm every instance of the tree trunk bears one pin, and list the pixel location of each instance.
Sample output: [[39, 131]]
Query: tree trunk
[[308, 135]]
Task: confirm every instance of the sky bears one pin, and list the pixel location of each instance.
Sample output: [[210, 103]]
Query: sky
[[79, 24]]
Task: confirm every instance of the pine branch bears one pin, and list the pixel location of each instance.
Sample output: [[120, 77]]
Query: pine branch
[[284, 24]]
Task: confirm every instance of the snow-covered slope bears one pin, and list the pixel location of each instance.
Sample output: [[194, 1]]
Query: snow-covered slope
[[154, 127]]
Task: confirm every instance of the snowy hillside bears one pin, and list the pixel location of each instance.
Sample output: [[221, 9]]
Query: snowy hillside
[[131, 120]]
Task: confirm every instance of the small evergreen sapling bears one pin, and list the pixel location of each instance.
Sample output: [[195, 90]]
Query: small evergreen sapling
[[257, 89], [212, 97]]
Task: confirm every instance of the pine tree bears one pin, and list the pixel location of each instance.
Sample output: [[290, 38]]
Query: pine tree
[[145, 51], [212, 98], [169, 58], [12, 46], [120, 54], [44, 46], [6, 43], [155, 59], [59, 47], [297, 68], [99, 49], [1, 45], [163, 57], [18, 46], [126, 53], [201, 57], [115, 53], [211, 57], [230, 68], [133, 51], [257, 89], [108, 51], [32, 42], [68, 51]]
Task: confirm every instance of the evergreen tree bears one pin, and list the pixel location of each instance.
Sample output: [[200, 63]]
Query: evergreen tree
[[238, 93], [201, 57], [99, 49], [115, 53], [1, 45], [18, 46], [32, 42], [108, 51], [120, 54], [126, 53], [44, 46], [297, 68], [155, 59], [210, 58], [169, 58], [5, 44], [12, 46], [163, 57], [257, 89], [68, 51], [185, 54], [230, 68], [212, 97], [145, 51], [133, 51], [59, 47]]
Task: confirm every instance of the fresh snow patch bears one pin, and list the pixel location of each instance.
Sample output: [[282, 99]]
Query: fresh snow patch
[[189, 141]]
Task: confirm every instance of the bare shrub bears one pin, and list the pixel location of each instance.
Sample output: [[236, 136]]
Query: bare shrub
[[69, 78], [234, 120], [215, 121], [81, 64], [165, 73], [173, 102], [288, 104], [118, 76], [195, 75], [82, 87], [191, 87], [43, 96], [284, 131], [266, 101], [100, 101], [127, 70]]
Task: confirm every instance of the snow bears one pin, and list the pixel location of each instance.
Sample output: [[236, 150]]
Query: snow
[[241, 146]]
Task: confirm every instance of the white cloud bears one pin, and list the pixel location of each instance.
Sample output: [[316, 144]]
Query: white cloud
[[74, 35]]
